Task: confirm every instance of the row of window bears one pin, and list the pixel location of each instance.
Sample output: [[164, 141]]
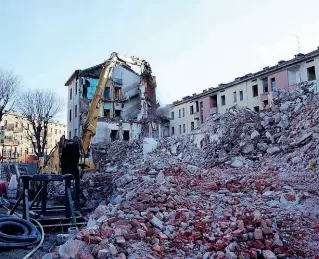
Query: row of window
[[191, 112], [184, 128]]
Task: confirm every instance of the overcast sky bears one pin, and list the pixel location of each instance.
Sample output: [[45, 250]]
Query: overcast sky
[[190, 44]]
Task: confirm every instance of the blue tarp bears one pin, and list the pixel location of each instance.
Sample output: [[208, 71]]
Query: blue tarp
[[107, 106], [91, 89]]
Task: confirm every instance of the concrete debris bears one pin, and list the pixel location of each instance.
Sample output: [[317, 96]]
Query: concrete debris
[[191, 198]]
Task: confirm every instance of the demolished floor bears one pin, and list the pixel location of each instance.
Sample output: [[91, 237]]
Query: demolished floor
[[243, 185]]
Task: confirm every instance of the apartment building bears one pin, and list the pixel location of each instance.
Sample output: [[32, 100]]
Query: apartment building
[[14, 141], [253, 90], [129, 104]]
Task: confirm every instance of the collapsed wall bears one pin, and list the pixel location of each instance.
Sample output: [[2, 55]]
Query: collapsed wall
[[243, 185]]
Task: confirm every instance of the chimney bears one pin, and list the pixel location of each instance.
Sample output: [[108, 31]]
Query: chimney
[[299, 55]]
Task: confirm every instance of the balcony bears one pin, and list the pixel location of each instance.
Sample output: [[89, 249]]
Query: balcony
[[213, 110], [17, 130], [10, 142]]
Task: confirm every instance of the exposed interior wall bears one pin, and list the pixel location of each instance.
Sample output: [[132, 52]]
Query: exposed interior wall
[[104, 130]]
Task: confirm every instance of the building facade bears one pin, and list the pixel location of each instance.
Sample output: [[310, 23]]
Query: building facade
[[15, 143], [129, 105], [253, 90]]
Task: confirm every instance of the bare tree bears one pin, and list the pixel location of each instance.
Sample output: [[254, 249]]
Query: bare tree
[[9, 87], [39, 108]]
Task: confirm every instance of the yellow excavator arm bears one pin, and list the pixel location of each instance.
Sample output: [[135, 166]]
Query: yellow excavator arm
[[52, 163]]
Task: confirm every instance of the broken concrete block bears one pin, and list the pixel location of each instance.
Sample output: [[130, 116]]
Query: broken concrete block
[[248, 148], [298, 107], [258, 234], [71, 248], [296, 160], [267, 254], [156, 222], [254, 135], [273, 150], [125, 179], [237, 164]]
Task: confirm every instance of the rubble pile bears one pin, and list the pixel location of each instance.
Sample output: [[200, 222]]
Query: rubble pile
[[109, 156], [243, 185], [217, 213]]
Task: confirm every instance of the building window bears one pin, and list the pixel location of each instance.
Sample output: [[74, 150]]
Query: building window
[[70, 115], [311, 73], [192, 125], [75, 133], [273, 84], [70, 93], [75, 111], [60, 132], [180, 129], [56, 131], [16, 125], [184, 128], [241, 95], [117, 113], [70, 135], [107, 113], [191, 110], [255, 90], [201, 112], [235, 97], [265, 85], [223, 100], [76, 87], [197, 106], [172, 115], [183, 112], [117, 93], [179, 113], [173, 131], [107, 93]]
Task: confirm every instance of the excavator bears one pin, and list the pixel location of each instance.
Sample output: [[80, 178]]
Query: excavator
[[73, 156]]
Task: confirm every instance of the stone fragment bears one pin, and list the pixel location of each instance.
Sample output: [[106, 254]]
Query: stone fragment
[[269, 254], [296, 160], [298, 107], [157, 223], [273, 150], [230, 255], [71, 248], [125, 179], [254, 135], [248, 148], [258, 234], [237, 164], [160, 177]]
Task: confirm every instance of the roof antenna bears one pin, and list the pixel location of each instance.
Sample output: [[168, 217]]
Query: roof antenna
[[298, 42]]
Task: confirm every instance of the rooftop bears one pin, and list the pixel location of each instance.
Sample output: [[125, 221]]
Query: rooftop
[[251, 76]]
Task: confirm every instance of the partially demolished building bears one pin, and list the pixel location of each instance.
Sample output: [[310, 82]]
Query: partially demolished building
[[128, 110]]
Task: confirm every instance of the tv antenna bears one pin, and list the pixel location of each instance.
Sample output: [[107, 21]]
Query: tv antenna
[[298, 43]]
